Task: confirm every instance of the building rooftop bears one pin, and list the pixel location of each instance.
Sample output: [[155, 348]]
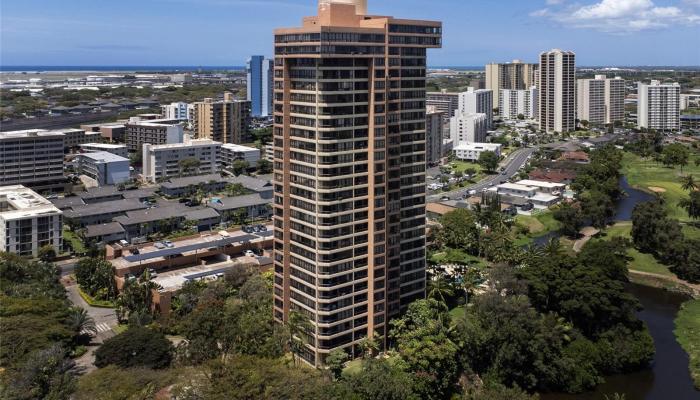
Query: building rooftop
[[67, 202], [107, 207], [478, 146], [238, 147], [185, 144], [104, 156], [254, 184], [17, 202], [176, 183], [103, 229], [104, 145], [233, 203], [143, 216], [29, 133], [515, 186], [201, 214], [542, 184]]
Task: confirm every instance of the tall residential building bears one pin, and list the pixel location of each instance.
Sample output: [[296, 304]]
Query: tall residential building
[[192, 157], [477, 101], [33, 158], [516, 75], [223, 121], [179, 111], [601, 100], [468, 128], [155, 132], [349, 172], [557, 91], [659, 106], [260, 80], [445, 102], [433, 136], [28, 222], [513, 103]]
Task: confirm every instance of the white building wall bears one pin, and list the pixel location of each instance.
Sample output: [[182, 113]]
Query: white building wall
[[468, 128], [658, 106], [477, 102]]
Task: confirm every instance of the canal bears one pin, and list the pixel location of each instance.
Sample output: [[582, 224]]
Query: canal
[[668, 377]]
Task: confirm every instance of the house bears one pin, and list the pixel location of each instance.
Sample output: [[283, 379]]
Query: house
[[580, 157], [255, 206]]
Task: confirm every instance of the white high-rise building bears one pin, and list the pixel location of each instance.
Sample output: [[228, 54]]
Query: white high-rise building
[[179, 111], [168, 160], [557, 91], [468, 128], [601, 100], [479, 101], [28, 222], [659, 106], [513, 103]]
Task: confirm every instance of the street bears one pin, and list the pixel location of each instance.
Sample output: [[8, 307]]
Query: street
[[512, 165]]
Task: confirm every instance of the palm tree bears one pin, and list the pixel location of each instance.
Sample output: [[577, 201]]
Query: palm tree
[[81, 322], [370, 346], [688, 183], [440, 288], [297, 325]]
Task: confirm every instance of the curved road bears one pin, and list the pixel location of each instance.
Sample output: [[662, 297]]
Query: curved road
[[512, 164]]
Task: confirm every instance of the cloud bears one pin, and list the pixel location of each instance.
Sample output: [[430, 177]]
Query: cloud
[[619, 16]]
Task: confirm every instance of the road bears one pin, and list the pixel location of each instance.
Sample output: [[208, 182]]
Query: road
[[512, 165]]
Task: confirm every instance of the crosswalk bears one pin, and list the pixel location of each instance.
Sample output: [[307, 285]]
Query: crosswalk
[[102, 327]]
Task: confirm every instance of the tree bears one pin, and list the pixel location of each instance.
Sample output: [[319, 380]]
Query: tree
[[692, 205], [47, 253], [236, 189], [240, 216], [264, 166], [689, 183], [81, 322], [96, 277], [675, 154], [488, 160], [382, 380], [187, 165], [297, 326], [239, 167], [424, 342], [135, 347], [136, 298], [521, 117], [370, 345], [114, 383], [440, 289], [336, 361], [570, 217], [45, 375], [459, 231], [470, 172]]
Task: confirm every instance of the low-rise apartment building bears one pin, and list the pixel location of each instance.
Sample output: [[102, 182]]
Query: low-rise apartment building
[[28, 222], [116, 149], [193, 157], [233, 152], [472, 151]]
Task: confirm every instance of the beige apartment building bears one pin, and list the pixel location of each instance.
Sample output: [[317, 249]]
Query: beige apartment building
[[516, 75], [600, 100], [349, 172], [223, 121], [557, 91]]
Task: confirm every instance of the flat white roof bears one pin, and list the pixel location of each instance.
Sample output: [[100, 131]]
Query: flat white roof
[[542, 184], [543, 197], [29, 133], [238, 147], [104, 156], [104, 145], [516, 186], [478, 146], [23, 203], [191, 143]]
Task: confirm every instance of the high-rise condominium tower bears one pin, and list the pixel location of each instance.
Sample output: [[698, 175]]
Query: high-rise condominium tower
[[223, 121], [601, 100], [516, 75], [259, 90], [658, 106], [349, 172], [557, 91]]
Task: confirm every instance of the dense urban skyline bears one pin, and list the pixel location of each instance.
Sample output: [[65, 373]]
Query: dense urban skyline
[[208, 32]]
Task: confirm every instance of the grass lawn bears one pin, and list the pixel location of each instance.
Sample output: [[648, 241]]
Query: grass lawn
[[454, 256], [688, 335], [644, 174], [640, 261], [76, 244], [457, 312], [537, 225]]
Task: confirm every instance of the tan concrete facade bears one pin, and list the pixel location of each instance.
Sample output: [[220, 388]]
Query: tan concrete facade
[[222, 121], [349, 172]]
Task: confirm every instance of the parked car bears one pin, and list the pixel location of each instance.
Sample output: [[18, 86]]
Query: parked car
[[159, 245], [168, 244], [444, 198], [263, 228], [250, 253]]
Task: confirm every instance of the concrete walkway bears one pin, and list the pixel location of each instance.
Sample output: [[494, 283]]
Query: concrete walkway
[[587, 233]]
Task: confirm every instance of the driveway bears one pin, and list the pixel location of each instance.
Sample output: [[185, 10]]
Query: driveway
[[105, 318]]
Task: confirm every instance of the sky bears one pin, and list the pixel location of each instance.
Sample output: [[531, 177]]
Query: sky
[[226, 32]]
